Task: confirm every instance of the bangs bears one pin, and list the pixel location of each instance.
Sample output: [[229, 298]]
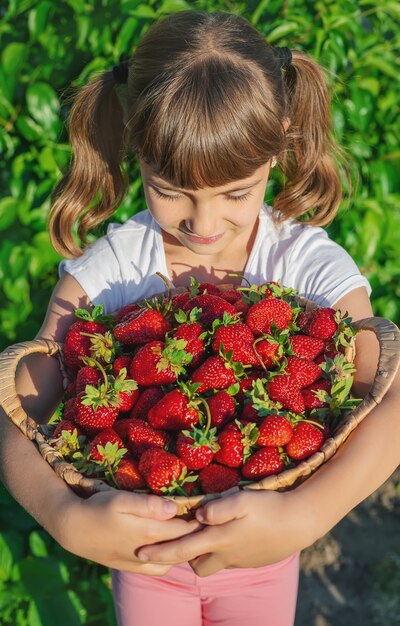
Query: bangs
[[212, 123]]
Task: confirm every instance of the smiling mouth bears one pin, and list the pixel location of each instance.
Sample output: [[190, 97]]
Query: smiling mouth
[[197, 239]]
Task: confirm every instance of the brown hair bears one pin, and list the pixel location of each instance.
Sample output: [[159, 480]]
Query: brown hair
[[204, 105]]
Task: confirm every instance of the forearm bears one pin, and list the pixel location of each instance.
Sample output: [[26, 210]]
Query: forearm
[[362, 464], [30, 479], [27, 476]]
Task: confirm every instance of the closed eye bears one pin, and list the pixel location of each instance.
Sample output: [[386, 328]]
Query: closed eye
[[176, 197]]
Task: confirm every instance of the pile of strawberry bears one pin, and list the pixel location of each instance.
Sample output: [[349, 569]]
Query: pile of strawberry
[[204, 390]]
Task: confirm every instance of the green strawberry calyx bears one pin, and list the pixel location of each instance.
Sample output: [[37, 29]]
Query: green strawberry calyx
[[239, 370], [96, 315], [175, 487], [258, 396], [173, 355], [104, 346]]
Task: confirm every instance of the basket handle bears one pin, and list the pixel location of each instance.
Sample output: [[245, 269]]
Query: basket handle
[[388, 336], [9, 399]]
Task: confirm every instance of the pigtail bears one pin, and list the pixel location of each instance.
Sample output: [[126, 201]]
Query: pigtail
[[93, 186], [312, 161]]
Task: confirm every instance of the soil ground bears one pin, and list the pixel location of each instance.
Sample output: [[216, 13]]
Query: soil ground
[[351, 576]]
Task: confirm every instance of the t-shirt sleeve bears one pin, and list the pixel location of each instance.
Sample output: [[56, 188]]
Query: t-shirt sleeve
[[322, 270], [98, 273]]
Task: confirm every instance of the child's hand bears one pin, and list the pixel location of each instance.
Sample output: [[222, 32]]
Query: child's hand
[[108, 528], [246, 529]]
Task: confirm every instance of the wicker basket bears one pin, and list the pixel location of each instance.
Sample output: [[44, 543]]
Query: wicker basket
[[389, 359]]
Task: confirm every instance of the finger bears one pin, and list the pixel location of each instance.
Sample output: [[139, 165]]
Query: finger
[[180, 550], [222, 510], [206, 564], [166, 530], [148, 569], [151, 506]]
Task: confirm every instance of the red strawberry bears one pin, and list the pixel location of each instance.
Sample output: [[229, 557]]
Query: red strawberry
[[231, 450], [269, 351], [141, 327], [212, 308], [121, 426], [311, 401], [175, 411], [231, 295], [127, 475], [67, 425], [87, 375], [77, 345], [319, 322], [306, 347], [235, 444], [124, 312], [306, 440], [126, 389], [302, 372], [67, 438], [239, 339], [216, 478], [100, 451], [211, 289], [195, 346], [275, 430], [246, 384], [263, 314], [222, 408], [124, 360], [264, 462], [249, 413], [179, 300], [161, 470], [148, 398], [214, 373], [159, 363], [70, 391], [328, 354], [95, 413], [282, 389], [141, 436], [69, 411], [196, 448], [242, 306]]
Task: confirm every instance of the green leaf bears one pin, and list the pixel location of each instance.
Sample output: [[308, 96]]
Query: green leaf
[[37, 18], [11, 550], [44, 106], [282, 31], [38, 543], [8, 212]]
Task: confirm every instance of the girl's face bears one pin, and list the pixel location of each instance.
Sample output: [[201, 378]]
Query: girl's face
[[208, 220]]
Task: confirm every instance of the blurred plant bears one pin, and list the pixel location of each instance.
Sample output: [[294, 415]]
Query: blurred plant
[[47, 46]]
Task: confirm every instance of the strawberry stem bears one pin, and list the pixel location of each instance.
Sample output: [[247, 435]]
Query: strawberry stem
[[169, 288], [102, 370], [208, 413], [242, 277], [258, 356]]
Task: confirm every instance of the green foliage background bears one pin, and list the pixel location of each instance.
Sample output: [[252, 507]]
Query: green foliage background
[[49, 45]]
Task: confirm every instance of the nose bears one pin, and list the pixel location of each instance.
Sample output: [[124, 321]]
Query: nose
[[202, 222]]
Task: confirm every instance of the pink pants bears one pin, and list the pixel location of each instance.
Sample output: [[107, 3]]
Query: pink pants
[[261, 596]]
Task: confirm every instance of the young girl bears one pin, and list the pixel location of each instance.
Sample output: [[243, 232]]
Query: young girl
[[207, 107]]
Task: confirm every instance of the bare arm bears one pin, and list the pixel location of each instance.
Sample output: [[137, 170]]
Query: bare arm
[[372, 452], [107, 527]]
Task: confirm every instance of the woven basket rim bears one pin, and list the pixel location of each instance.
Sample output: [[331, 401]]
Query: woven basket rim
[[389, 360]]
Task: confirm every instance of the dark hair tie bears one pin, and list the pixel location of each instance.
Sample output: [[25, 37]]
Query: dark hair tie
[[120, 72], [283, 55]]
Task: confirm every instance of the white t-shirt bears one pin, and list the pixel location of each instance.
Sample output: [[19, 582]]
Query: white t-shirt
[[119, 268]]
